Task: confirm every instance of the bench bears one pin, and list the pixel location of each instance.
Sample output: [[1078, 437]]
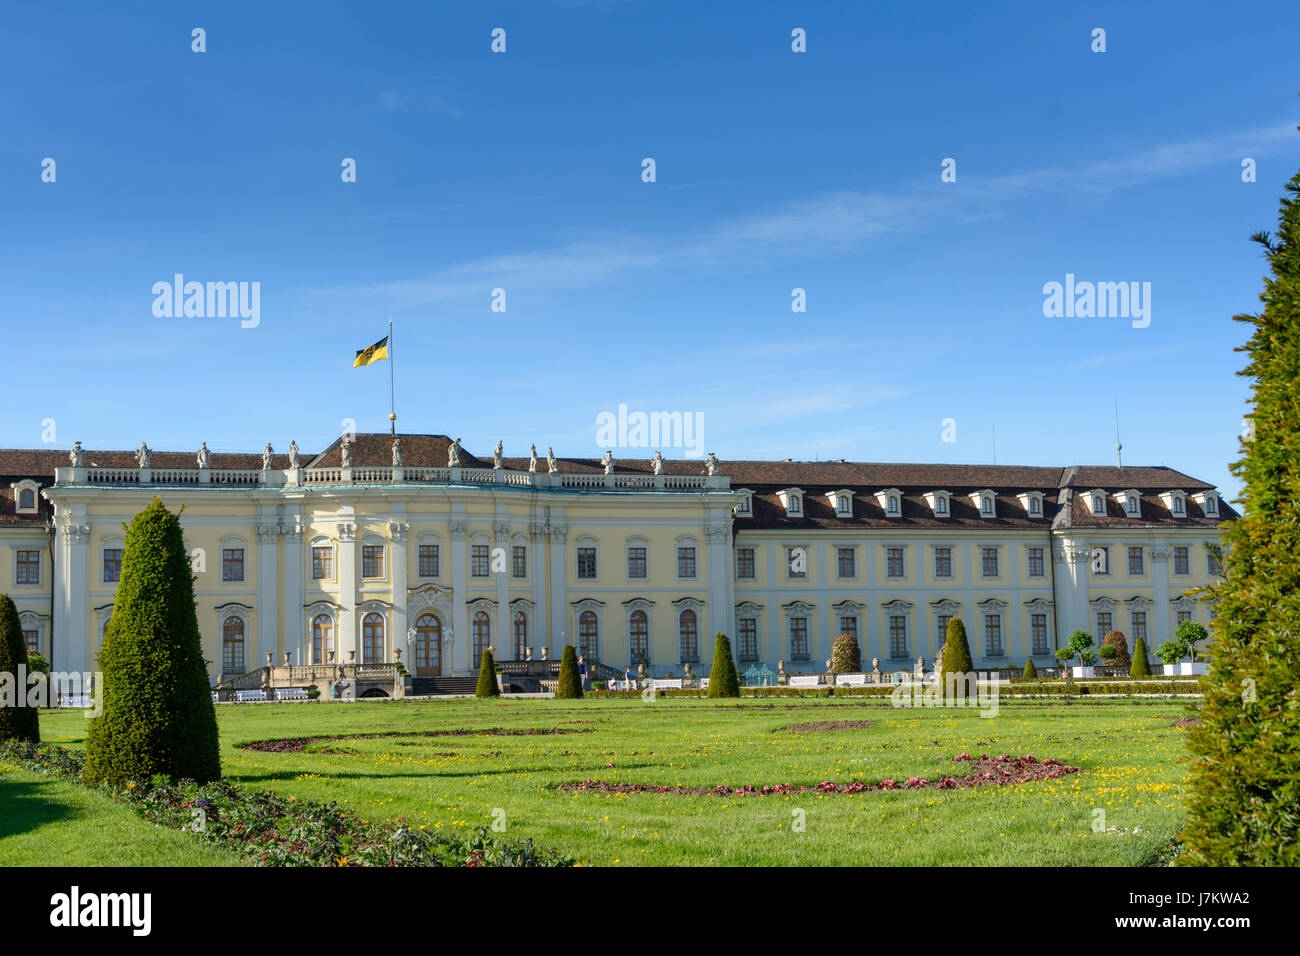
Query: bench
[[664, 683], [77, 700], [243, 696], [851, 680], [801, 680], [214, 697], [704, 683], [290, 693], [622, 685]]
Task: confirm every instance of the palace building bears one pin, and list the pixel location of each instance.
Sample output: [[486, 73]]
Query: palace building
[[375, 549]]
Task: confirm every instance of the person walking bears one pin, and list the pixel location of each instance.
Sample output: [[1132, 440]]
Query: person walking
[[582, 671], [627, 676]]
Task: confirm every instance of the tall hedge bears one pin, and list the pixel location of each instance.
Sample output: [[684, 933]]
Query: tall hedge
[[570, 680], [487, 677], [1141, 667], [846, 655], [157, 715], [1031, 672], [956, 656], [723, 679], [1117, 640], [1245, 765], [18, 722]]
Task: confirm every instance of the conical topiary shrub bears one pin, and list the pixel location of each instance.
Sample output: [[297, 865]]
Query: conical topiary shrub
[[157, 715], [846, 655], [1031, 672], [956, 658], [1140, 667], [570, 680], [17, 720], [1117, 640], [487, 677], [723, 679]]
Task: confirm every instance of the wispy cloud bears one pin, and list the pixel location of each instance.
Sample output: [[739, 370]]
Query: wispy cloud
[[1116, 358], [397, 100]]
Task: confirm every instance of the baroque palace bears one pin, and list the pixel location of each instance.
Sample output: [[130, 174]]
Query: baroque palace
[[378, 548]]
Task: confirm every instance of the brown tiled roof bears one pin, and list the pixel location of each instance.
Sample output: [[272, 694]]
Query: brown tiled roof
[[9, 517], [375, 450]]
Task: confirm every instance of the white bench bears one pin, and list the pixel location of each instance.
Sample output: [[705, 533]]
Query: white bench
[[704, 683], [290, 693], [622, 685], [243, 696], [851, 680], [214, 697], [813, 680], [77, 700], [664, 683]]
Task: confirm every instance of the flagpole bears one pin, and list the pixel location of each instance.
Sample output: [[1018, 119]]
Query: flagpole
[[392, 410]]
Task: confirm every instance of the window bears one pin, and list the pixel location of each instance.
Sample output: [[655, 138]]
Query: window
[[742, 507], [322, 639], [636, 562], [891, 507], [688, 637], [893, 562], [519, 562], [478, 561], [33, 641], [112, 565], [989, 562], [941, 505], [28, 567], [1139, 625], [844, 504], [588, 636], [27, 499], [847, 563], [748, 639], [1099, 506], [521, 636], [372, 639], [1035, 505], [1177, 505], [799, 638], [986, 505], [322, 565], [1181, 565], [1211, 505], [1132, 504], [232, 646], [941, 623], [796, 562], [794, 505], [586, 562], [943, 562], [481, 628], [1103, 625], [232, 564], [372, 560], [849, 626], [1035, 555], [428, 557], [1136, 566], [993, 635], [898, 636], [685, 562], [1183, 616], [1213, 563], [1101, 560], [639, 637], [1038, 632], [745, 563]]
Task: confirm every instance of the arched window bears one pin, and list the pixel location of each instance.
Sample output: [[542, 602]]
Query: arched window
[[688, 633], [232, 646], [322, 639], [26, 498], [639, 634], [428, 645], [588, 636], [521, 636], [482, 628], [372, 639]]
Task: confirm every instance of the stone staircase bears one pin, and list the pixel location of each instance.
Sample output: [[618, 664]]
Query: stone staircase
[[428, 686]]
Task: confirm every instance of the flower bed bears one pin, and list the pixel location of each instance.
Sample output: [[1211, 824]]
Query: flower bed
[[281, 831], [822, 725], [298, 744]]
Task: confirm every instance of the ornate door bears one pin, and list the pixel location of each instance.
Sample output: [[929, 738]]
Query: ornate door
[[428, 646]]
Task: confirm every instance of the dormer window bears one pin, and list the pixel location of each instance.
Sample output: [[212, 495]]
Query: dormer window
[[841, 502], [938, 502], [985, 501], [745, 506], [1209, 502], [891, 502], [1176, 502], [25, 497], [1131, 501], [1032, 502], [792, 501], [1097, 502]]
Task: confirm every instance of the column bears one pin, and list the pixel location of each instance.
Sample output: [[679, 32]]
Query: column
[[346, 639], [537, 627], [775, 637], [722, 588], [559, 636], [503, 639], [1159, 627], [459, 661], [867, 618], [397, 536], [268, 608], [295, 634], [72, 642]]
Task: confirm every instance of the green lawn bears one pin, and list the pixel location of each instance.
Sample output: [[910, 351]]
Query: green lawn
[[49, 822], [1129, 752]]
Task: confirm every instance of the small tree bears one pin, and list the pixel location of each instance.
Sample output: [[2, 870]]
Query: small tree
[[1171, 652], [37, 664], [1140, 666], [846, 656], [1117, 640], [570, 685], [1031, 672], [723, 679], [1191, 633], [1108, 653], [1080, 645], [956, 658], [487, 677], [17, 720]]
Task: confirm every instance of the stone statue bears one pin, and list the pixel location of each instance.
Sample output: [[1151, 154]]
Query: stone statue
[[544, 652], [397, 453], [552, 466], [657, 463], [293, 454], [453, 454], [711, 466], [497, 454], [345, 454], [532, 458], [76, 456], [144, 455], [608, 462], [205, 456], [267, 453]]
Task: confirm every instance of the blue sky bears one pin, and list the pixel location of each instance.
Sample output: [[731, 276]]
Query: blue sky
[[522, 171]]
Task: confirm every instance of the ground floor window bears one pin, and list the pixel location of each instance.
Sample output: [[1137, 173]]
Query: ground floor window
[[589, 636], [898, 637], [748, 649], [232, 646], [689, 638], [639, 637], [322, 640], [372, 639], [1038, 632], [799, 638], [521, 636], [993, 635], [481, 629]]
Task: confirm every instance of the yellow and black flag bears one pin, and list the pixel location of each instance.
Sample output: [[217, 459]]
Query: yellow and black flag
[[372, 353]]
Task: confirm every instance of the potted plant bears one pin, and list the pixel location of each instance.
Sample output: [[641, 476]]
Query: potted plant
[[1171, 652], [1108, 654], [1191, 633], [1063, 654], [1080, 645]]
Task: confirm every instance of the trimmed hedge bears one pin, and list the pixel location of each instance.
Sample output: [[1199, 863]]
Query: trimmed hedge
[[1062, 688], [1031, 672], [487, 677], [723, 680], [1117, 640], [158, 716], [956, 657], [846, 655], [1140, 667], [570, 684], [18, 722]]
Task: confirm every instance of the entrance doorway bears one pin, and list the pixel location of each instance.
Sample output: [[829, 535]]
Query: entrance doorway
[[428, 646]]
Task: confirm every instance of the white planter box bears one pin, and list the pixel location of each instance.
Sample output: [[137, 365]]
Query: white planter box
[[1083, 671], [1188, 669]]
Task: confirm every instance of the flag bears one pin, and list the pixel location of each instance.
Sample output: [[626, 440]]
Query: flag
[[372, 354]]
